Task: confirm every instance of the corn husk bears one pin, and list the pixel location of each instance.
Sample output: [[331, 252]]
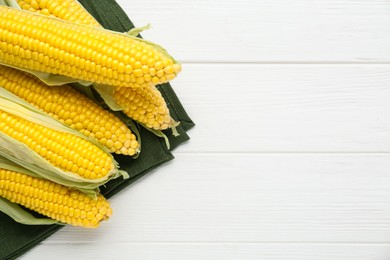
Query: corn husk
[[21, 215]]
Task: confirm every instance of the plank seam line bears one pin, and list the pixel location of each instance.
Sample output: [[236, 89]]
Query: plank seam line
[[283, 152], [51, 242], [235, 62]]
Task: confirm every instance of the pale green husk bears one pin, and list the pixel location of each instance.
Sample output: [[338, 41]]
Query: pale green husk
[[22, 216], [19, 153], [11, 3], [107, 94], [11, 166], [137, 30]]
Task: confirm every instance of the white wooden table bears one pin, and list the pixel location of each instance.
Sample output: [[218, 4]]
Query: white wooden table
[[290, 156]]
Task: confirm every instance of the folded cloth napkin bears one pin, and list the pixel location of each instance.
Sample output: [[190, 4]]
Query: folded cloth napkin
[[16, 239]]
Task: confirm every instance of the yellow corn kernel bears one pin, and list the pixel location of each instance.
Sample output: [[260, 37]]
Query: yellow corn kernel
[[48, 143], [75, 50], [26, 194], [145, 105], [70, 107], [69, 10]]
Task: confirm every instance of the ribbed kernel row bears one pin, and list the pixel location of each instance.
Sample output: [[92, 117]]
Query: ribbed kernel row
[[69, 10], [41, 43], [65, 151], [53, 200], [145, 105], [72, 108]]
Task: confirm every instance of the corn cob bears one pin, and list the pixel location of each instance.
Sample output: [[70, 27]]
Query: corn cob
[[41, 43], [69, 10], [63, 150], [145, 105], [72, 108], [53, 200]]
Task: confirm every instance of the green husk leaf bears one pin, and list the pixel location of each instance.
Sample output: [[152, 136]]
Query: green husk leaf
[[24, 156], [86, 91], [51, 79], [11, 3], [137, 30], [175, 133], [11, 166], [107, 94], [22, 216]]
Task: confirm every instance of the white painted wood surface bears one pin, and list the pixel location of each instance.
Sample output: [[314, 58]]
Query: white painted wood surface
[[290, 156]]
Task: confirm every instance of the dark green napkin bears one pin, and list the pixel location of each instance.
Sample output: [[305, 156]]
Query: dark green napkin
[[16, 239]]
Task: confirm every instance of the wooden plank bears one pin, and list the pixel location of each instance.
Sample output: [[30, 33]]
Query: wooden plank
[[205, 251], [270, 30], [301, 198], [286, 108]]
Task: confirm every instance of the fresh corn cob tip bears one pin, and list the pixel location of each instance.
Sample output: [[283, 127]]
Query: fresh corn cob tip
[[54, 200], [145, 105], [73, 109], [42, 43], [63, 150], [69, 10]]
